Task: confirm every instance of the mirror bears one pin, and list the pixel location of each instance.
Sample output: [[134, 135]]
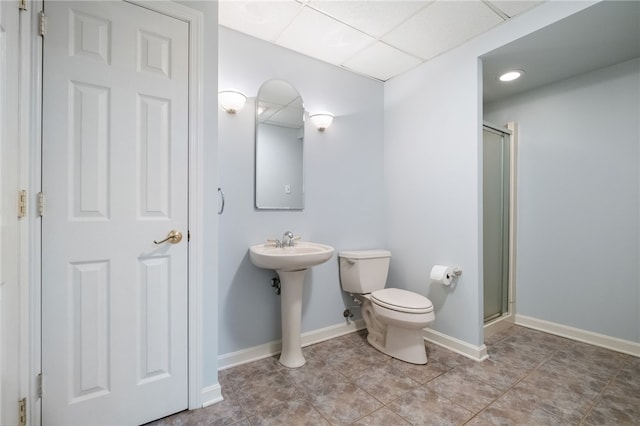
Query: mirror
[[279, 147]]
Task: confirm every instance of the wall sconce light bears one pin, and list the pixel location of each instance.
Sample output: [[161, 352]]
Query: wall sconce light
[[321, 121], [231, 101]]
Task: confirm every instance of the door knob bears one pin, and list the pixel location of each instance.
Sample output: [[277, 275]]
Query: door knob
[[174, 237]]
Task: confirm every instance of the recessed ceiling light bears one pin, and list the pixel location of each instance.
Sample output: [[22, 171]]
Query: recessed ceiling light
[[511, 75]]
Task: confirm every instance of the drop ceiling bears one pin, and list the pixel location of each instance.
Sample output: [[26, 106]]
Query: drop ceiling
[[376, 38]]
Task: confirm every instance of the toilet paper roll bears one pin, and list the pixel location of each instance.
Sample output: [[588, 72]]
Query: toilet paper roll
[[442, 274]]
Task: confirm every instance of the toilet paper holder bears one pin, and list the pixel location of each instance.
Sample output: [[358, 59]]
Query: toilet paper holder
[[444, 274]]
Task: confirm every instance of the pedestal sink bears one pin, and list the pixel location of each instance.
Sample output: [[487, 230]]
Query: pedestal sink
[[291, 264]]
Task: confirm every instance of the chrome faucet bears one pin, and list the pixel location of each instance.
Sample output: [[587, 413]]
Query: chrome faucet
[[287, 239]]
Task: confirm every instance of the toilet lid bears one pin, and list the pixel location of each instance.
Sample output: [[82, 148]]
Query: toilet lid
[[402, 300]]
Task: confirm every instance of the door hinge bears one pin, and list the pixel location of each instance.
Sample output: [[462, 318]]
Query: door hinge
[[22, 203], [42, 24], [39, 385], [22, 412], [41, 204], [22, 5], [188, 236]]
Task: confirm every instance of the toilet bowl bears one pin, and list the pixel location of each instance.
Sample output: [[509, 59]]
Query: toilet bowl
[[394, 317]]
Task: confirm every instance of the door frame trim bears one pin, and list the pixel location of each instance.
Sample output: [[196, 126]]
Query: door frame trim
[[18, 102], [32, 48]]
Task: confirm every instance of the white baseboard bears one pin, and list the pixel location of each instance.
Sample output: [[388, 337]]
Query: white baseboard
[[596, 339], [272, 348], [211, 395], [476, 353]]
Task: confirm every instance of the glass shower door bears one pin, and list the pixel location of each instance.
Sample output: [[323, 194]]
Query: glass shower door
[[495, 223]]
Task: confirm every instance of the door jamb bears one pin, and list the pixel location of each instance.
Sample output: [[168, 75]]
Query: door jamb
[[33, 51], [31, 66]]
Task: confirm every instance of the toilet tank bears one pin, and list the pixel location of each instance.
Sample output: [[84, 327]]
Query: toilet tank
[[363, 271]]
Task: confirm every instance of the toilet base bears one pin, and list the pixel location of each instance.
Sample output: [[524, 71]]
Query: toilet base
[[403, 344], [400, 338]]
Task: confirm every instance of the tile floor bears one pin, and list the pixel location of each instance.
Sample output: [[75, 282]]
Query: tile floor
[[530, 378]]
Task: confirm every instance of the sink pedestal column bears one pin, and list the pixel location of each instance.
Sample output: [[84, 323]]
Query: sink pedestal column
[[291, 283]]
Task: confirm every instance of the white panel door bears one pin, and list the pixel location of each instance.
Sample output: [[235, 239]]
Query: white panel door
[[10, 359], [115, 152]]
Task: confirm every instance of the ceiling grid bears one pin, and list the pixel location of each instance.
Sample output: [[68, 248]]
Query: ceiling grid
[[376, 38]]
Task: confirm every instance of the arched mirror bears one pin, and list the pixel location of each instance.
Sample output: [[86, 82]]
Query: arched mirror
[[279, 147]]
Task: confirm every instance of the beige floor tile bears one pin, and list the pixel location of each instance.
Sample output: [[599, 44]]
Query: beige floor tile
[[615, 409], [501, 376], [265, 392], [567, 364], [309, 379], [226, 412], [560, 401], [509, 410], [418, 373], [497, 337], [238, 377], [296, 412], [382, 417], [530, 378], [437, 355], [524, 355], [465, 391], [579, 357], [627, 381], [384, 385], [422, 406], [343, 403]]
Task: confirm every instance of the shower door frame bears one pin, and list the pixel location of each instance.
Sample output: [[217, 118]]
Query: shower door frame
[[508, 318]]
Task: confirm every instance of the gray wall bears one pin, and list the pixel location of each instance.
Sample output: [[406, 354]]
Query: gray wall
[[433, 119], [344, 197], [579, 200]]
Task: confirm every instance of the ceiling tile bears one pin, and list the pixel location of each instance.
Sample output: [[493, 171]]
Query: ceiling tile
[[376, 18], [378, 38], [321, 37], [381, 61], [441, 26], [262, 19], [513, 7]]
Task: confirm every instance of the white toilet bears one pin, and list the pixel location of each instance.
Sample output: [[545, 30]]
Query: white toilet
[[394, 317]]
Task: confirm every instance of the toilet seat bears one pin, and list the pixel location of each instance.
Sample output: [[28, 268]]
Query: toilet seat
[[402, 301]]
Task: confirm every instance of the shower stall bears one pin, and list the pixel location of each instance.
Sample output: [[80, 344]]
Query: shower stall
[[498, 188]]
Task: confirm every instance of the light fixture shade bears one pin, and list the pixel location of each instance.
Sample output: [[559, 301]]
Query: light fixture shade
[[231, 101], [321, 121]]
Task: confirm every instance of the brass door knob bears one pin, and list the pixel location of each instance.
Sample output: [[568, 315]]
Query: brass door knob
[[173, 237]]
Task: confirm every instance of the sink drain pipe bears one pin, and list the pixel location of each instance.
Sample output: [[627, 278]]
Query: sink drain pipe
[[275, 283]]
